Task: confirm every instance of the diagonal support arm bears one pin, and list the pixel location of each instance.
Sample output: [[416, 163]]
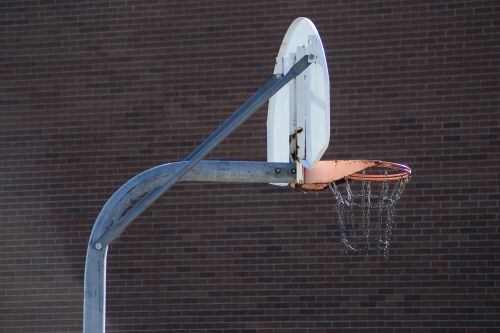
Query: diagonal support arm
[[229, 125], [112, 221]]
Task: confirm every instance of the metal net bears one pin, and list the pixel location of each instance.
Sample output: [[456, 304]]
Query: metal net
[[365, 212]]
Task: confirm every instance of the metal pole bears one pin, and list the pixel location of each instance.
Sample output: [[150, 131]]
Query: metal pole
[[110, 223], [207, 171]]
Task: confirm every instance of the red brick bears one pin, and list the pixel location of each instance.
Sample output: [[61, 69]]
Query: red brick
[[91, 93]]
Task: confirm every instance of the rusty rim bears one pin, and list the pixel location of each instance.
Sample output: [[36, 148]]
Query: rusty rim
[[402, 172]]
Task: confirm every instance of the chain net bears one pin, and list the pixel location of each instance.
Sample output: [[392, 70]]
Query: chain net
[[365, 212]]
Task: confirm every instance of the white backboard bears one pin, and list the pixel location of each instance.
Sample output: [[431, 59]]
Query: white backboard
[[298, 121]]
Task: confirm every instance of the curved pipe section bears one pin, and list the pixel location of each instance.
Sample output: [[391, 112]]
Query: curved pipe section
[[107, 227]]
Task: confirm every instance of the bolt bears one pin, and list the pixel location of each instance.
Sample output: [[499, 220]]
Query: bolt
[[277, 171], [294, 171], [310, 57], [98, 246]]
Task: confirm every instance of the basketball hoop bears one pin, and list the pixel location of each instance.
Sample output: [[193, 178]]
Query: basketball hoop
[[365, 193], [298, 133], [402, 172]]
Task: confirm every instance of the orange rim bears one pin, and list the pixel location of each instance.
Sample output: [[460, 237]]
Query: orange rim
[[403, 172]]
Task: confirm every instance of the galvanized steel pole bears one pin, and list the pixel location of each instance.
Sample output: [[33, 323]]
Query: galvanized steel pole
[[151, 184], [206, 171]]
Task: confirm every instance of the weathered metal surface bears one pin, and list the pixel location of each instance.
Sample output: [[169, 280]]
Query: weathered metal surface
[[144, 189], [108, 226]]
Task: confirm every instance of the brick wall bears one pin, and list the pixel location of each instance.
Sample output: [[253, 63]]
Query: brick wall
[[93, 92]]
